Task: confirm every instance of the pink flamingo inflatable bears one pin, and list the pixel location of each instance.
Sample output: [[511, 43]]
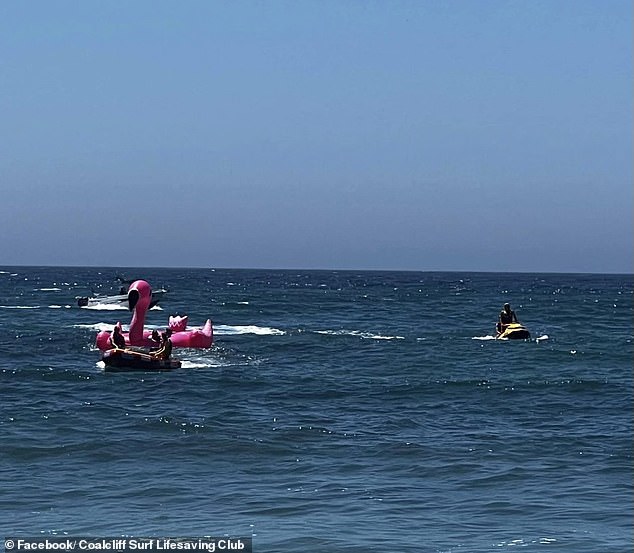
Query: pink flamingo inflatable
[[139, 296]]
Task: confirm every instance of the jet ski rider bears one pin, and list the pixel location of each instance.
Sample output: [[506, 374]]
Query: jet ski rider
[[507, 316]]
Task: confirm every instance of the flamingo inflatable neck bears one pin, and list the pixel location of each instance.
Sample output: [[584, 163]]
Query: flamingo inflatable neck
[[139, 297]]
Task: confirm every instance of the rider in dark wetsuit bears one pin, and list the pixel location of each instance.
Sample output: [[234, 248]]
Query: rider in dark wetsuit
[[507, 316]]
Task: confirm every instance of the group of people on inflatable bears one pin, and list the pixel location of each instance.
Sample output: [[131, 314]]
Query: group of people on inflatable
[[163, 341]]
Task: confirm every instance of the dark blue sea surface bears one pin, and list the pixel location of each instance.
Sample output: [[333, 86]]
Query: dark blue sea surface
[[336, 411]]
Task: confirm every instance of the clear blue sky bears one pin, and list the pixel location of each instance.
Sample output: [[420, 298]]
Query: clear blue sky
[[425, 135]]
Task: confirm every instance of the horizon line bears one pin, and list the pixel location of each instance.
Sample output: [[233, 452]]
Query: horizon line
[[363, 270]]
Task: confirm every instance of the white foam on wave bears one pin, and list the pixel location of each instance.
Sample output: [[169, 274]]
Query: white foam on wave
[[99, 327], [59, 307], [49, 289], [105, 307], [489, 337], [359, 334], [19, 306], [228, 330], [542, 338], [202, 364]]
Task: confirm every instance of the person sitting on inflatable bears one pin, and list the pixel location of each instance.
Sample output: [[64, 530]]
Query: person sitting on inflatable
[[165, 351], [117, 341]]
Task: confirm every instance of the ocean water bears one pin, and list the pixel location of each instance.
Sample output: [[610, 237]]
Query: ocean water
[[337, 411]]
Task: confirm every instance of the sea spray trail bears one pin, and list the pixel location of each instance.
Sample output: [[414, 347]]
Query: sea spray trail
[[228, 330], [337, 411]]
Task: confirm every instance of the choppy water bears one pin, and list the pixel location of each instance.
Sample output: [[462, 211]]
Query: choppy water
[[337, 411]]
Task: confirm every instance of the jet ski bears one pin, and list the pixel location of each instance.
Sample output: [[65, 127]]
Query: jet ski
[[514, 331], [125, 360]]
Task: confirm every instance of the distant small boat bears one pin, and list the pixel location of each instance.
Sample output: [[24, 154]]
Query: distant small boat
[[514, 331], [118, 299], [124, 360]]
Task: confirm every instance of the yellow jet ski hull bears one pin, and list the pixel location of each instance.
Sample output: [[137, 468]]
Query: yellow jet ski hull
[[514, 331]]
